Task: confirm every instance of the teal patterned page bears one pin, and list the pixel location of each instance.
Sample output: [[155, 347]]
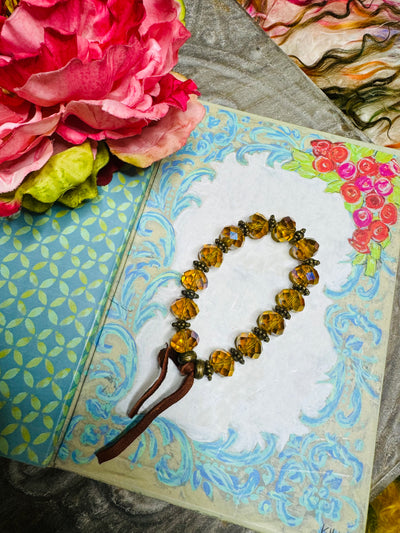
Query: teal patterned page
[[56, 271], [287, 442]]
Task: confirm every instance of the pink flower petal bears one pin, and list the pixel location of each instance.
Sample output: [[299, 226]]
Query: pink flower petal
[[160, 139], [12, 173]]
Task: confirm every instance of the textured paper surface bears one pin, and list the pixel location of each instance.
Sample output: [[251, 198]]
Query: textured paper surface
[[287, 441], [56, 272]]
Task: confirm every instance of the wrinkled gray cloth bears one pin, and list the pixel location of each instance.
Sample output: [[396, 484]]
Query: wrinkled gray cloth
[[234, 64]]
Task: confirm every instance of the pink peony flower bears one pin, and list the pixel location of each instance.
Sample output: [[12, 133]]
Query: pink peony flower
[[98, 70], [24, 139]]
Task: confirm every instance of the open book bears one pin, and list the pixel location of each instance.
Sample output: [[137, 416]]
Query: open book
[[288, 440]]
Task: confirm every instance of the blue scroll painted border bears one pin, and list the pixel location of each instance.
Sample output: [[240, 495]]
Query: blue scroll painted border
[[306, 477]]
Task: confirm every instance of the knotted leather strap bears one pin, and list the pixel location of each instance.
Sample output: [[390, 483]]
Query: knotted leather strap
[[132, 431]]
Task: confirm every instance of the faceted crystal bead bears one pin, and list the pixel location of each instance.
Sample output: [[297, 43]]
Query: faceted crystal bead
[[211, 255], [184, 308], [194, 279], [304, 275], [304, 249], [232, 236], [258, 226], [290, 299], [222, 362], [284, 230], [249, 344], [271, 322], [184, 340]]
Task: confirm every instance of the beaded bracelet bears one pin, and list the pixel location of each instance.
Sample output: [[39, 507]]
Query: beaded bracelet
[[248, 344]]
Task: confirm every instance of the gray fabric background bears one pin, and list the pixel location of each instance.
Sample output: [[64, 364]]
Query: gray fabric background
[[234, 64]]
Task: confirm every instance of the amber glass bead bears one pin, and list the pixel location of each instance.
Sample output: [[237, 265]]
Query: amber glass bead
[[290, 299], [194, 279], [284, 230], [211, 255], [249, 344], [258, 226], [184, 340], [271, 322], [304, 275], [232, 236], [304, 249], [184, 308], [222, 362]]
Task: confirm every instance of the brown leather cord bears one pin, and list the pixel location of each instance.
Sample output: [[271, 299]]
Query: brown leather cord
[[120, 443]]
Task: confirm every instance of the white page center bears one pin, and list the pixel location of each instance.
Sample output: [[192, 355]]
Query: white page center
[[268, 394]]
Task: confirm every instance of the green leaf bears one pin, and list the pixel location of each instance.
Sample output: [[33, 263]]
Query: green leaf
[[25, 434], [74, 342], [49, 367], [72, 356], [79, 328], [30, 417], [16, 412], [9, 337], [385, 242], [3, 446], [44, 334], [67, 320], [58, 301], [383, 157], [56, 390], [23, 342], [9, 429], [32, 456], [52, 316], [19, 449], [63, 373], [18, 357], [21, 307], [30, 326], [4, 389], [48, 422], [43, 383], [359, 259], [34, 362], [11, 373], [36, 311], [370, 268], [291, 165], [68, 273], [375, 250], [49, 408], [42, 347], [20, 397], [6, 303], [35, 402], [28, 378], [40, 439], [358, 152], [48, 282], [64, 288], [15, 322], [55, 351]]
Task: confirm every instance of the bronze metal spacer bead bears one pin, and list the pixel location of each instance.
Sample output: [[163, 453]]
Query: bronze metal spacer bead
[[180, 324], [261, 334], [301, 288], [208, 370], [189, 293], [244, 227], [187, 357], [200, 265], [221, 245], [237, 355], [199, 367], [272, 222], [282, 311], [311, 261], [299, 234]]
